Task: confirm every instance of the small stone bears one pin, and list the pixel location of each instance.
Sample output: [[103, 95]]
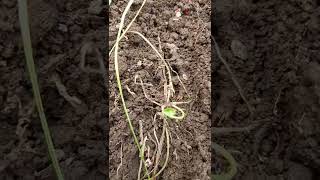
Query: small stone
[[3, 63], [95, 7], [275, 166], [137, 2], [239, 49], [139, 63], [185, 77], [174, 35], [178, 13], [63, 28], [307, 5], [60, 154]]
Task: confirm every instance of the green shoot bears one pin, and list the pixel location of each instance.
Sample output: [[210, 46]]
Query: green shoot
[[25, 31]]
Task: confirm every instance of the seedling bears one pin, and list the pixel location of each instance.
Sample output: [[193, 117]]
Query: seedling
[[169, 110]]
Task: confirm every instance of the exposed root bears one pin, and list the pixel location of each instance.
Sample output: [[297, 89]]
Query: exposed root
[[73, 100], [159, 149], [156, 146], [24, 120], [175, 154], [90, 48], [275, 107], [233, 77], [53, 61], [144, 148], [220, 131], [119, 166], [129, 90], [144, 92]]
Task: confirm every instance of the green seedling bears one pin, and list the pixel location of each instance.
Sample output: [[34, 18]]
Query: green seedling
[[25, 31], [169, 110]]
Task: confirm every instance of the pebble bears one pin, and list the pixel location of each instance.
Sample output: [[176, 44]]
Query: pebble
[[239, 49], [63, 28], [95, 7], [60, 154]]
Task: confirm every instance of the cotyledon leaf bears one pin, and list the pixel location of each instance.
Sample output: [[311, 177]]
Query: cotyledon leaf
[[170, 112]]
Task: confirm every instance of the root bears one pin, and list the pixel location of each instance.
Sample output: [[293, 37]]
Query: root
[[24, 120], [156, 146], [144, 92], [143, 142], [275, 107], [85, 49], [159, 149], [53, 61], [166, 134], [129, 90], [220, 131], [119, 166], [74, 101], [234, 79]]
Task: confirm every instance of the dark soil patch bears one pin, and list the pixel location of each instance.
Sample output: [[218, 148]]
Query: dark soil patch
[[59, 30], [191, 137], [280, 77]]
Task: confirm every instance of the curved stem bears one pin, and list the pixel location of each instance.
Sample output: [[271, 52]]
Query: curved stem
[[128, 27], [233, 165], [157, 52], [116, 64]]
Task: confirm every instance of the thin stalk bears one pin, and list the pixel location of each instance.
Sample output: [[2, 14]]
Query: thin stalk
[[25, 31], [167, 65], [167, 155], [233, 77], [116, 64], [157, 52], [128, 27]]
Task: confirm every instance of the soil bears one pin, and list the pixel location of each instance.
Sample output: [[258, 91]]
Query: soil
[[273, 49], [72, 97], [185, 43]]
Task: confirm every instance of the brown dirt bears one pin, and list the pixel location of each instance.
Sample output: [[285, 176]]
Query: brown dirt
[[191, 137], [59, 29], [280, 77]]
